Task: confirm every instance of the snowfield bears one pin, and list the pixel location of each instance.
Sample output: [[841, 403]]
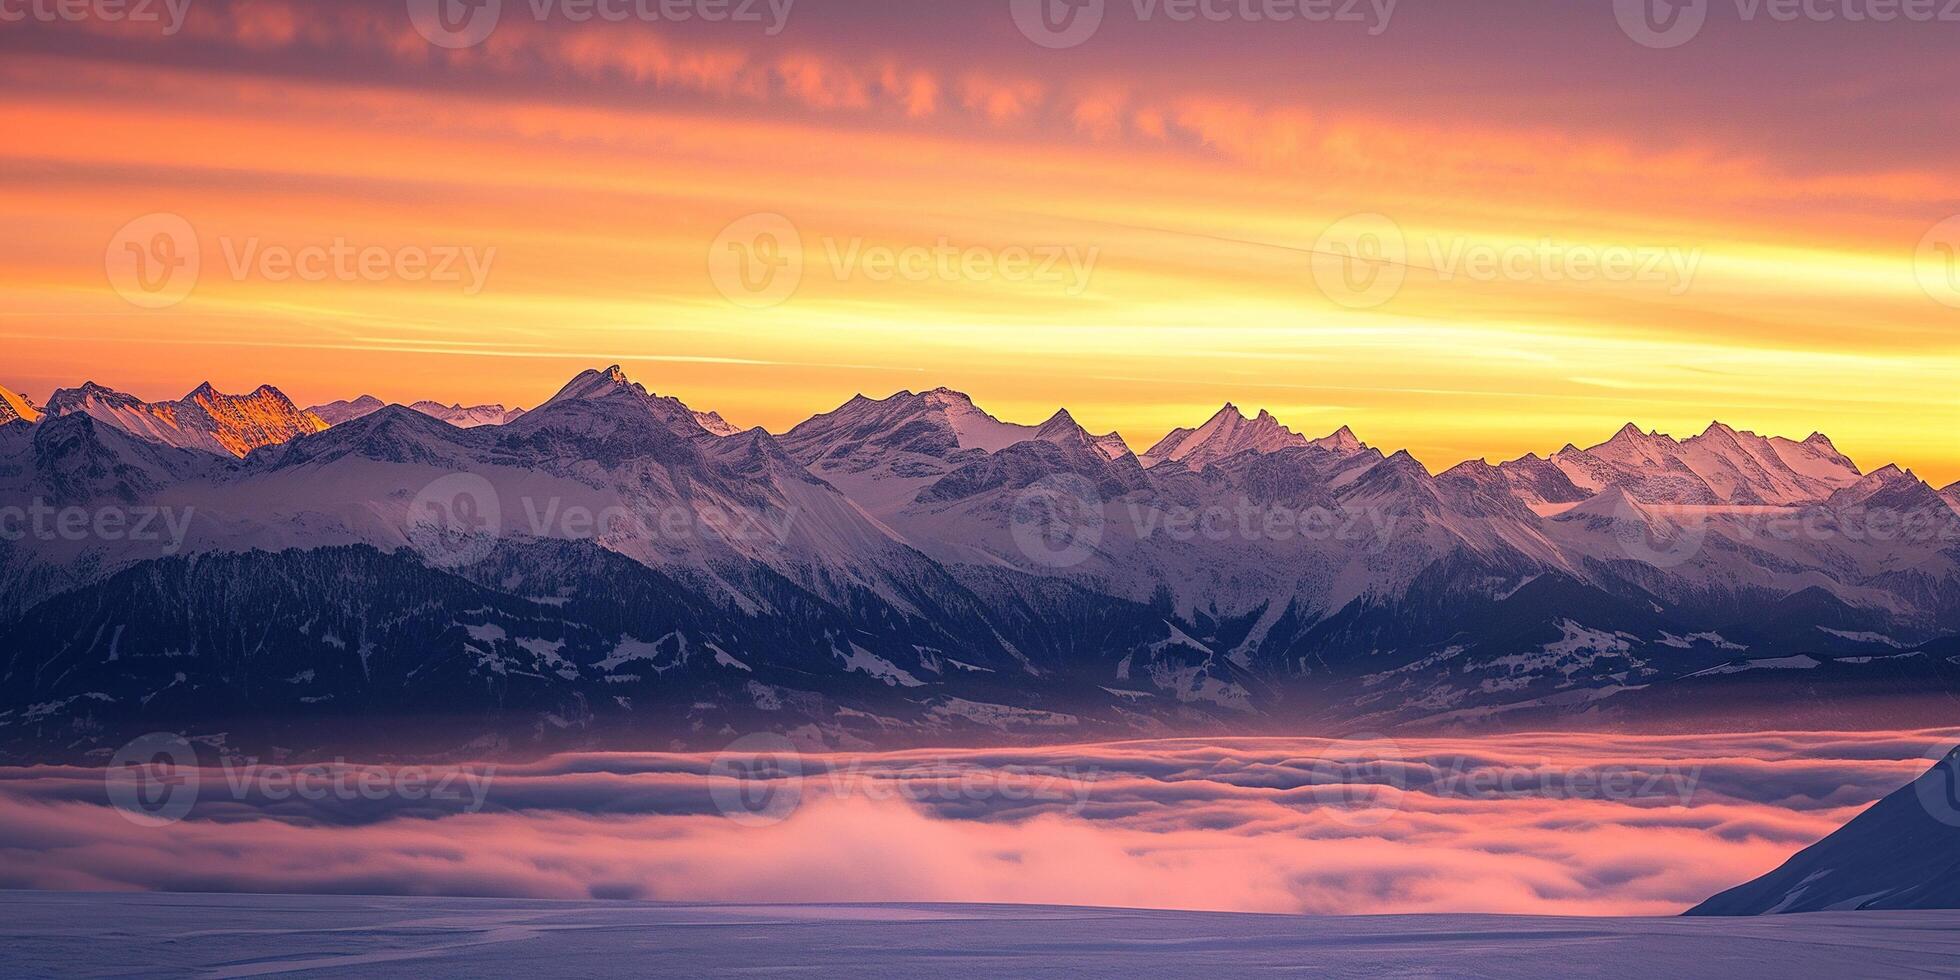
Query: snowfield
[[48, 934]]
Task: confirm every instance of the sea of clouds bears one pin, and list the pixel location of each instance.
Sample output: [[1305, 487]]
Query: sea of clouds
[[1581, 824]]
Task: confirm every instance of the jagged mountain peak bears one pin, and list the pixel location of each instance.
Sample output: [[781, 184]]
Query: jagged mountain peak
[[596, 383], [1064, 429], [467, 416], [1060, 420], [943, 396], [612, 382], [205, 419], [1227, 433], [935, 423], [1341, 440], [67, 400], [16, 408], [1615, 502], [1721, 465], [346, 410], [394, 433], [1631, 433], [715, 424], [1890, 488]]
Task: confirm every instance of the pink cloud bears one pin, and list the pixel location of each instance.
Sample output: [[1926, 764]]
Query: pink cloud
[[1565, 824]]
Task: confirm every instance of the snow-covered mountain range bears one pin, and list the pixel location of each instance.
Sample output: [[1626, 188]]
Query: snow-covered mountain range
[[206, 419], [617, 564], [463, 417]]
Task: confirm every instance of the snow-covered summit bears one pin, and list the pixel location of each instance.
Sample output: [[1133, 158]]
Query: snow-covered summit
[[1720, 466], [205, 419], [1229, 432], [14, 408]]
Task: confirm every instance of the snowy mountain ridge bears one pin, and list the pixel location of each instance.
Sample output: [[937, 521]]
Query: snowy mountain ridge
[[851, 565]]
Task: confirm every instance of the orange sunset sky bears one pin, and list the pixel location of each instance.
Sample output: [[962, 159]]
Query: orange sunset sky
[[1788, 182]]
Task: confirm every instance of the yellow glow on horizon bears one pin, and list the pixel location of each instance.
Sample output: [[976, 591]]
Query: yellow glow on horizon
[[1201, 288]]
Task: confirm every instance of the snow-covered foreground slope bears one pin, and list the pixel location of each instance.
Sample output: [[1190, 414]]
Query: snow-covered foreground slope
[[235, 936], [1903, 853]]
